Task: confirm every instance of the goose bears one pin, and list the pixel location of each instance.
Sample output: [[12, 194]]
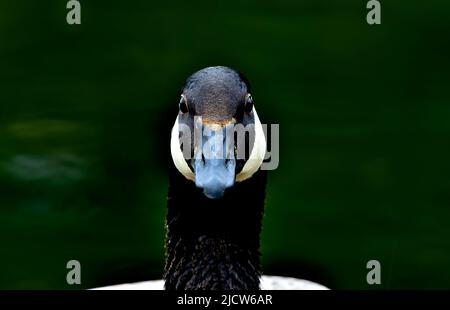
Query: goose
[[215, 198]]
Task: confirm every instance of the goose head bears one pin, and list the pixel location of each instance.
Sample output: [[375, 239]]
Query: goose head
[[217, 139]]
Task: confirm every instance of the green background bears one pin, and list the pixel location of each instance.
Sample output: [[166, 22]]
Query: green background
[[364, 114]]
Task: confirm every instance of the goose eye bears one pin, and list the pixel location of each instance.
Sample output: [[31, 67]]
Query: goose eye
[[183, 104], [248, 103]]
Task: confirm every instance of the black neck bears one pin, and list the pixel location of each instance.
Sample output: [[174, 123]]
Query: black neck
[[214, 244]]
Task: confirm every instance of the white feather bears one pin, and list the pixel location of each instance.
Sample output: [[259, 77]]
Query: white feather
[[267, 283], [258, 152], [177, 154]]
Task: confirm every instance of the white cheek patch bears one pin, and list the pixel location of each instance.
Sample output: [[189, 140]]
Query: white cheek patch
[[177, 154], [258, 152]]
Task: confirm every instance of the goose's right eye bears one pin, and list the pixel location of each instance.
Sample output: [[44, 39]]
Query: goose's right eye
[[183, 104]]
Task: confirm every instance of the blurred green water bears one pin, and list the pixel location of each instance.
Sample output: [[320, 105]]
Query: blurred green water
[[364, 120]]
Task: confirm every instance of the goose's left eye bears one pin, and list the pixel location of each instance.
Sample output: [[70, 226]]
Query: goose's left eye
[[248, 103], [183, 104]]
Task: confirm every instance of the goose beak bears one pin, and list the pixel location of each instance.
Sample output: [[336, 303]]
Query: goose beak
[[215, 169]]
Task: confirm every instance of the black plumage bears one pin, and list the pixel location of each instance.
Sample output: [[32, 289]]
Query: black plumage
[[214, 244]]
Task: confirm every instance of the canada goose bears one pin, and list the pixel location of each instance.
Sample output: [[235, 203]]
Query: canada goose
[[216, 200], [215, 205]]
